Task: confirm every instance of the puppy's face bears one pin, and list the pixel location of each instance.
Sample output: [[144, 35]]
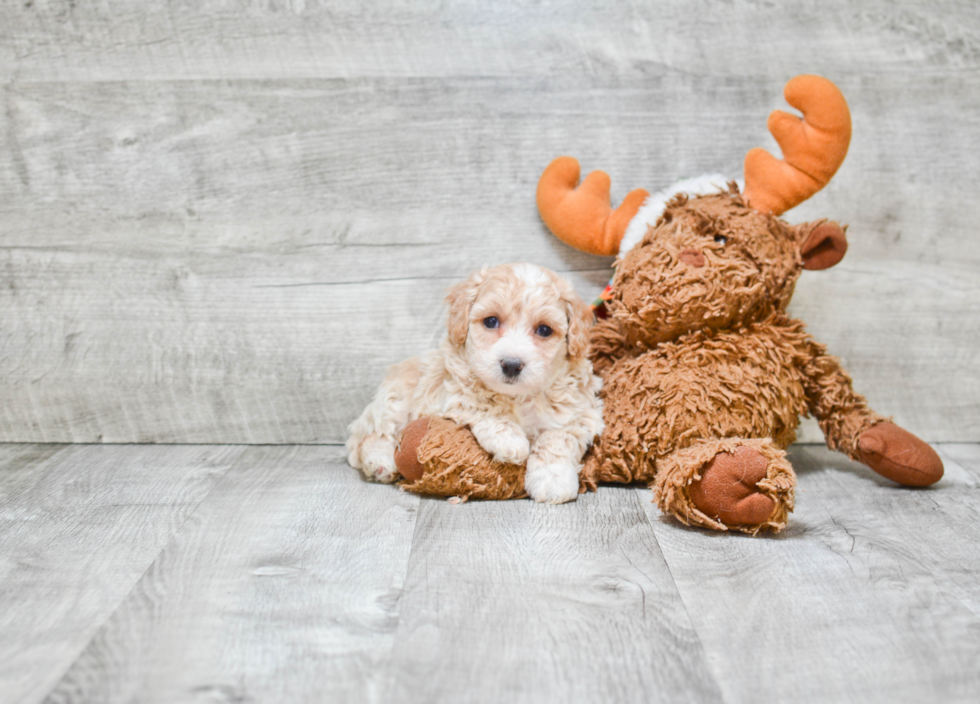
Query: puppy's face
[[517, 324]]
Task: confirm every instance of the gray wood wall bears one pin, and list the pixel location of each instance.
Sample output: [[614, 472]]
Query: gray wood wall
[[219, 221]]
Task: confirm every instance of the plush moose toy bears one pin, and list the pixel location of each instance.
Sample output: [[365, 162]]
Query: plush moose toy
[[704, 374]]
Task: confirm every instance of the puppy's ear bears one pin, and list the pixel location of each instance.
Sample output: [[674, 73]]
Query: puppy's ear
[[460, 297], [580, 321]]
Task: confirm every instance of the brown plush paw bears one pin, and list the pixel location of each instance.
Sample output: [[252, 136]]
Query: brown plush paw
[[439, 458], [407, 456], [727, 489], [897, 454]]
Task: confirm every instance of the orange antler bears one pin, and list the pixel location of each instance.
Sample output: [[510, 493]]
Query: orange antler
[[813, 147], [583, 217]]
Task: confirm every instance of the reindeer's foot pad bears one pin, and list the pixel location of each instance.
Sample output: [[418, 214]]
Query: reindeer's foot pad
[[899, 455], [727, 488], [744, 485], [439, 458], [406, 454]]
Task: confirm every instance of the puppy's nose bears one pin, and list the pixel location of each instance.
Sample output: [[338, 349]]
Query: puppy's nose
[[511, 366]]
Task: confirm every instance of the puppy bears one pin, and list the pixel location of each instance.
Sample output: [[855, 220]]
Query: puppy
[[513, 367]]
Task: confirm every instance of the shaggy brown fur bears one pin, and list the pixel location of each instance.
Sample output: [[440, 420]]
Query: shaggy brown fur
[[694, 352]]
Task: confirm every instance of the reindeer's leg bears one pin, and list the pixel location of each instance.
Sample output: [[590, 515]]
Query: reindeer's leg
[[860, 433], [731, 483], [619, 456], [439, 458]]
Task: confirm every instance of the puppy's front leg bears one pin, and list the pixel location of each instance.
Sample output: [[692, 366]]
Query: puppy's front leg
[[503, 439], [553, 467]]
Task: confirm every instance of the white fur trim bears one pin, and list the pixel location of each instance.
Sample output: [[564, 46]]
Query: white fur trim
[[653, 206]]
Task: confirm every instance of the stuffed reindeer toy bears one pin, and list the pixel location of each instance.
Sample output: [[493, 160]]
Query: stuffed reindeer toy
[[704, 374]]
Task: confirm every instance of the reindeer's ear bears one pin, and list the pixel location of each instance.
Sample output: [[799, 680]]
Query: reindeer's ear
[[823, 246], [460, 297]]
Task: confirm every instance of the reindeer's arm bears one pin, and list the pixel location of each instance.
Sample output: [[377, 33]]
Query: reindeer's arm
[[853, 428], [842, 413]]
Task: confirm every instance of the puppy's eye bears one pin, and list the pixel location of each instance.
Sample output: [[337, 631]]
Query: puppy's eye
[[491, 322], [544, 331], [721, 239]]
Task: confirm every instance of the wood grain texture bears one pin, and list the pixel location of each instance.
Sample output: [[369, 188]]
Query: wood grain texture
[[192, 573], [220, 222], [78, 528], [54, 40], [284, 586], [868, 596], [515, 601]]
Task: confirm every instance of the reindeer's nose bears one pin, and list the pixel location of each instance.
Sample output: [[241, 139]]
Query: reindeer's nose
[[511, 366], [692, 257]]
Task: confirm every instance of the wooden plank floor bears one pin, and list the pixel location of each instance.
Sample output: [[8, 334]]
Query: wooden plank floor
[[273, 573]]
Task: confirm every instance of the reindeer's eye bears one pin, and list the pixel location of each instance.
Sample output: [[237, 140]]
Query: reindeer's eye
[[544, 331], [721, 239], [491, 322]]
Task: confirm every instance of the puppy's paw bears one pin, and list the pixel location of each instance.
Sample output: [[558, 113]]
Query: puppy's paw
[[552, 483], [378, 461], [508, 447]]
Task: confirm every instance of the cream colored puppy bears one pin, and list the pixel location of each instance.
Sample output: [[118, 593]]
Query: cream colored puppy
[[513, 367]]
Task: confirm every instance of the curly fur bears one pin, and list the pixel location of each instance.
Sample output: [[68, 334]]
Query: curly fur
[[547, 414]]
